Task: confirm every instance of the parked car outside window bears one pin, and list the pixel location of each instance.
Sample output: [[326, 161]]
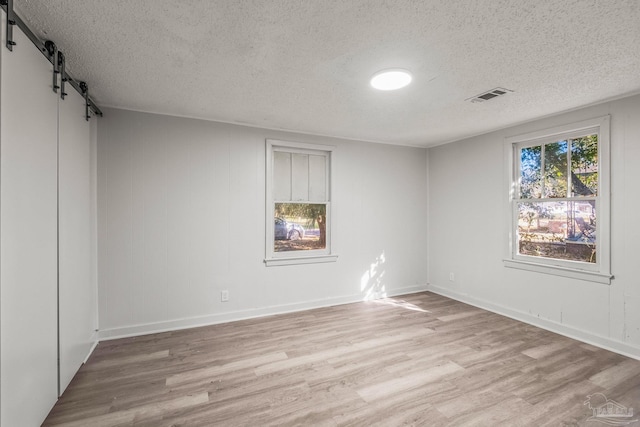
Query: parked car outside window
[[285, 230]]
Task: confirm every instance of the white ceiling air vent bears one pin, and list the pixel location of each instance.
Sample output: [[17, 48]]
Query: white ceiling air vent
[[486, 96]]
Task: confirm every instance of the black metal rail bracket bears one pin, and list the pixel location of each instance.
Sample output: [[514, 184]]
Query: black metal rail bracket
[[11, 21], [52, 51], [85, 91], [63, 74]]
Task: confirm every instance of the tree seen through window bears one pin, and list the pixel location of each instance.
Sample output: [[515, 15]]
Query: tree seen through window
[[557, 201]]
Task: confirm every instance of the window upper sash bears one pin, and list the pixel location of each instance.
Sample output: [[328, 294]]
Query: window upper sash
[[300, 177]]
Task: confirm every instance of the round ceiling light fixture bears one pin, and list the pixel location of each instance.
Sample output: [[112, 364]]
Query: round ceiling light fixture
[[391, 79]]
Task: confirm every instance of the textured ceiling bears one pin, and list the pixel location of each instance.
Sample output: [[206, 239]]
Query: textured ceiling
[[304, 65]]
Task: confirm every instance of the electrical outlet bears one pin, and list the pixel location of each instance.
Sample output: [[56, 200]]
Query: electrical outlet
[[451, 277], [224, 296]]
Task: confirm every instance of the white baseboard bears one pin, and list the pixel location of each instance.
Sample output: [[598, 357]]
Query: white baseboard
[[549, 325], [213, 319]]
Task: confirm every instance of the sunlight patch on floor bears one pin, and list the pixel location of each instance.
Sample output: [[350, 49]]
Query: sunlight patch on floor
[[400, 303]]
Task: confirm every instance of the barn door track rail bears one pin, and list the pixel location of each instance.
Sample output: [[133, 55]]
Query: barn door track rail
[[53, 55]]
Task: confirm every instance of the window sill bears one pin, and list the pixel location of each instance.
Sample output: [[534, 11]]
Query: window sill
[[315, 259], [590, 276]]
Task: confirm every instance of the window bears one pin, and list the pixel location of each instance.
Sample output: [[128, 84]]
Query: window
[[298, 203], [559, 201]]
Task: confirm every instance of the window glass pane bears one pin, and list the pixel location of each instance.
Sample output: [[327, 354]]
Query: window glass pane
[[584, 166], [560, 230], [299, 226], [530, 174], [555, 169]]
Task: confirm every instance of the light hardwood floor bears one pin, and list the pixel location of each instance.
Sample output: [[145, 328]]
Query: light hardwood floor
[[419, 359]]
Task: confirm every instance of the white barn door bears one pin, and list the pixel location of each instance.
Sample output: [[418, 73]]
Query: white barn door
[[76, 297], [28, 234]]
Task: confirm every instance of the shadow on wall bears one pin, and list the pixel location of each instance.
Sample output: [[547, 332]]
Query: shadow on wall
[[372, 284]]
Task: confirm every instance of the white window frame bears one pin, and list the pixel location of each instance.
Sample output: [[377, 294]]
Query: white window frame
[[600, 271], [273, 258]]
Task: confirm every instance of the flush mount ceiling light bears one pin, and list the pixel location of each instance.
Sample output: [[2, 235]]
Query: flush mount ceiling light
[[391, 79]]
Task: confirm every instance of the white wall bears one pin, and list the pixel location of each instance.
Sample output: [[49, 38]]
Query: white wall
[[181, 207], [467, 212]]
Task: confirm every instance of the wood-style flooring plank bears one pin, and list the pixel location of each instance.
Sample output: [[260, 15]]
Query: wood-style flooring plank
[[419, 359]]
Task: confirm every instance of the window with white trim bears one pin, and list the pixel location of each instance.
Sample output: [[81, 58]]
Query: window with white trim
[[298, 203], [559, 200]]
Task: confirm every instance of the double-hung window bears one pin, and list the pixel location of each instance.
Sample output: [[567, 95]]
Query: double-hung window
[[298, 203], [559, 200]]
